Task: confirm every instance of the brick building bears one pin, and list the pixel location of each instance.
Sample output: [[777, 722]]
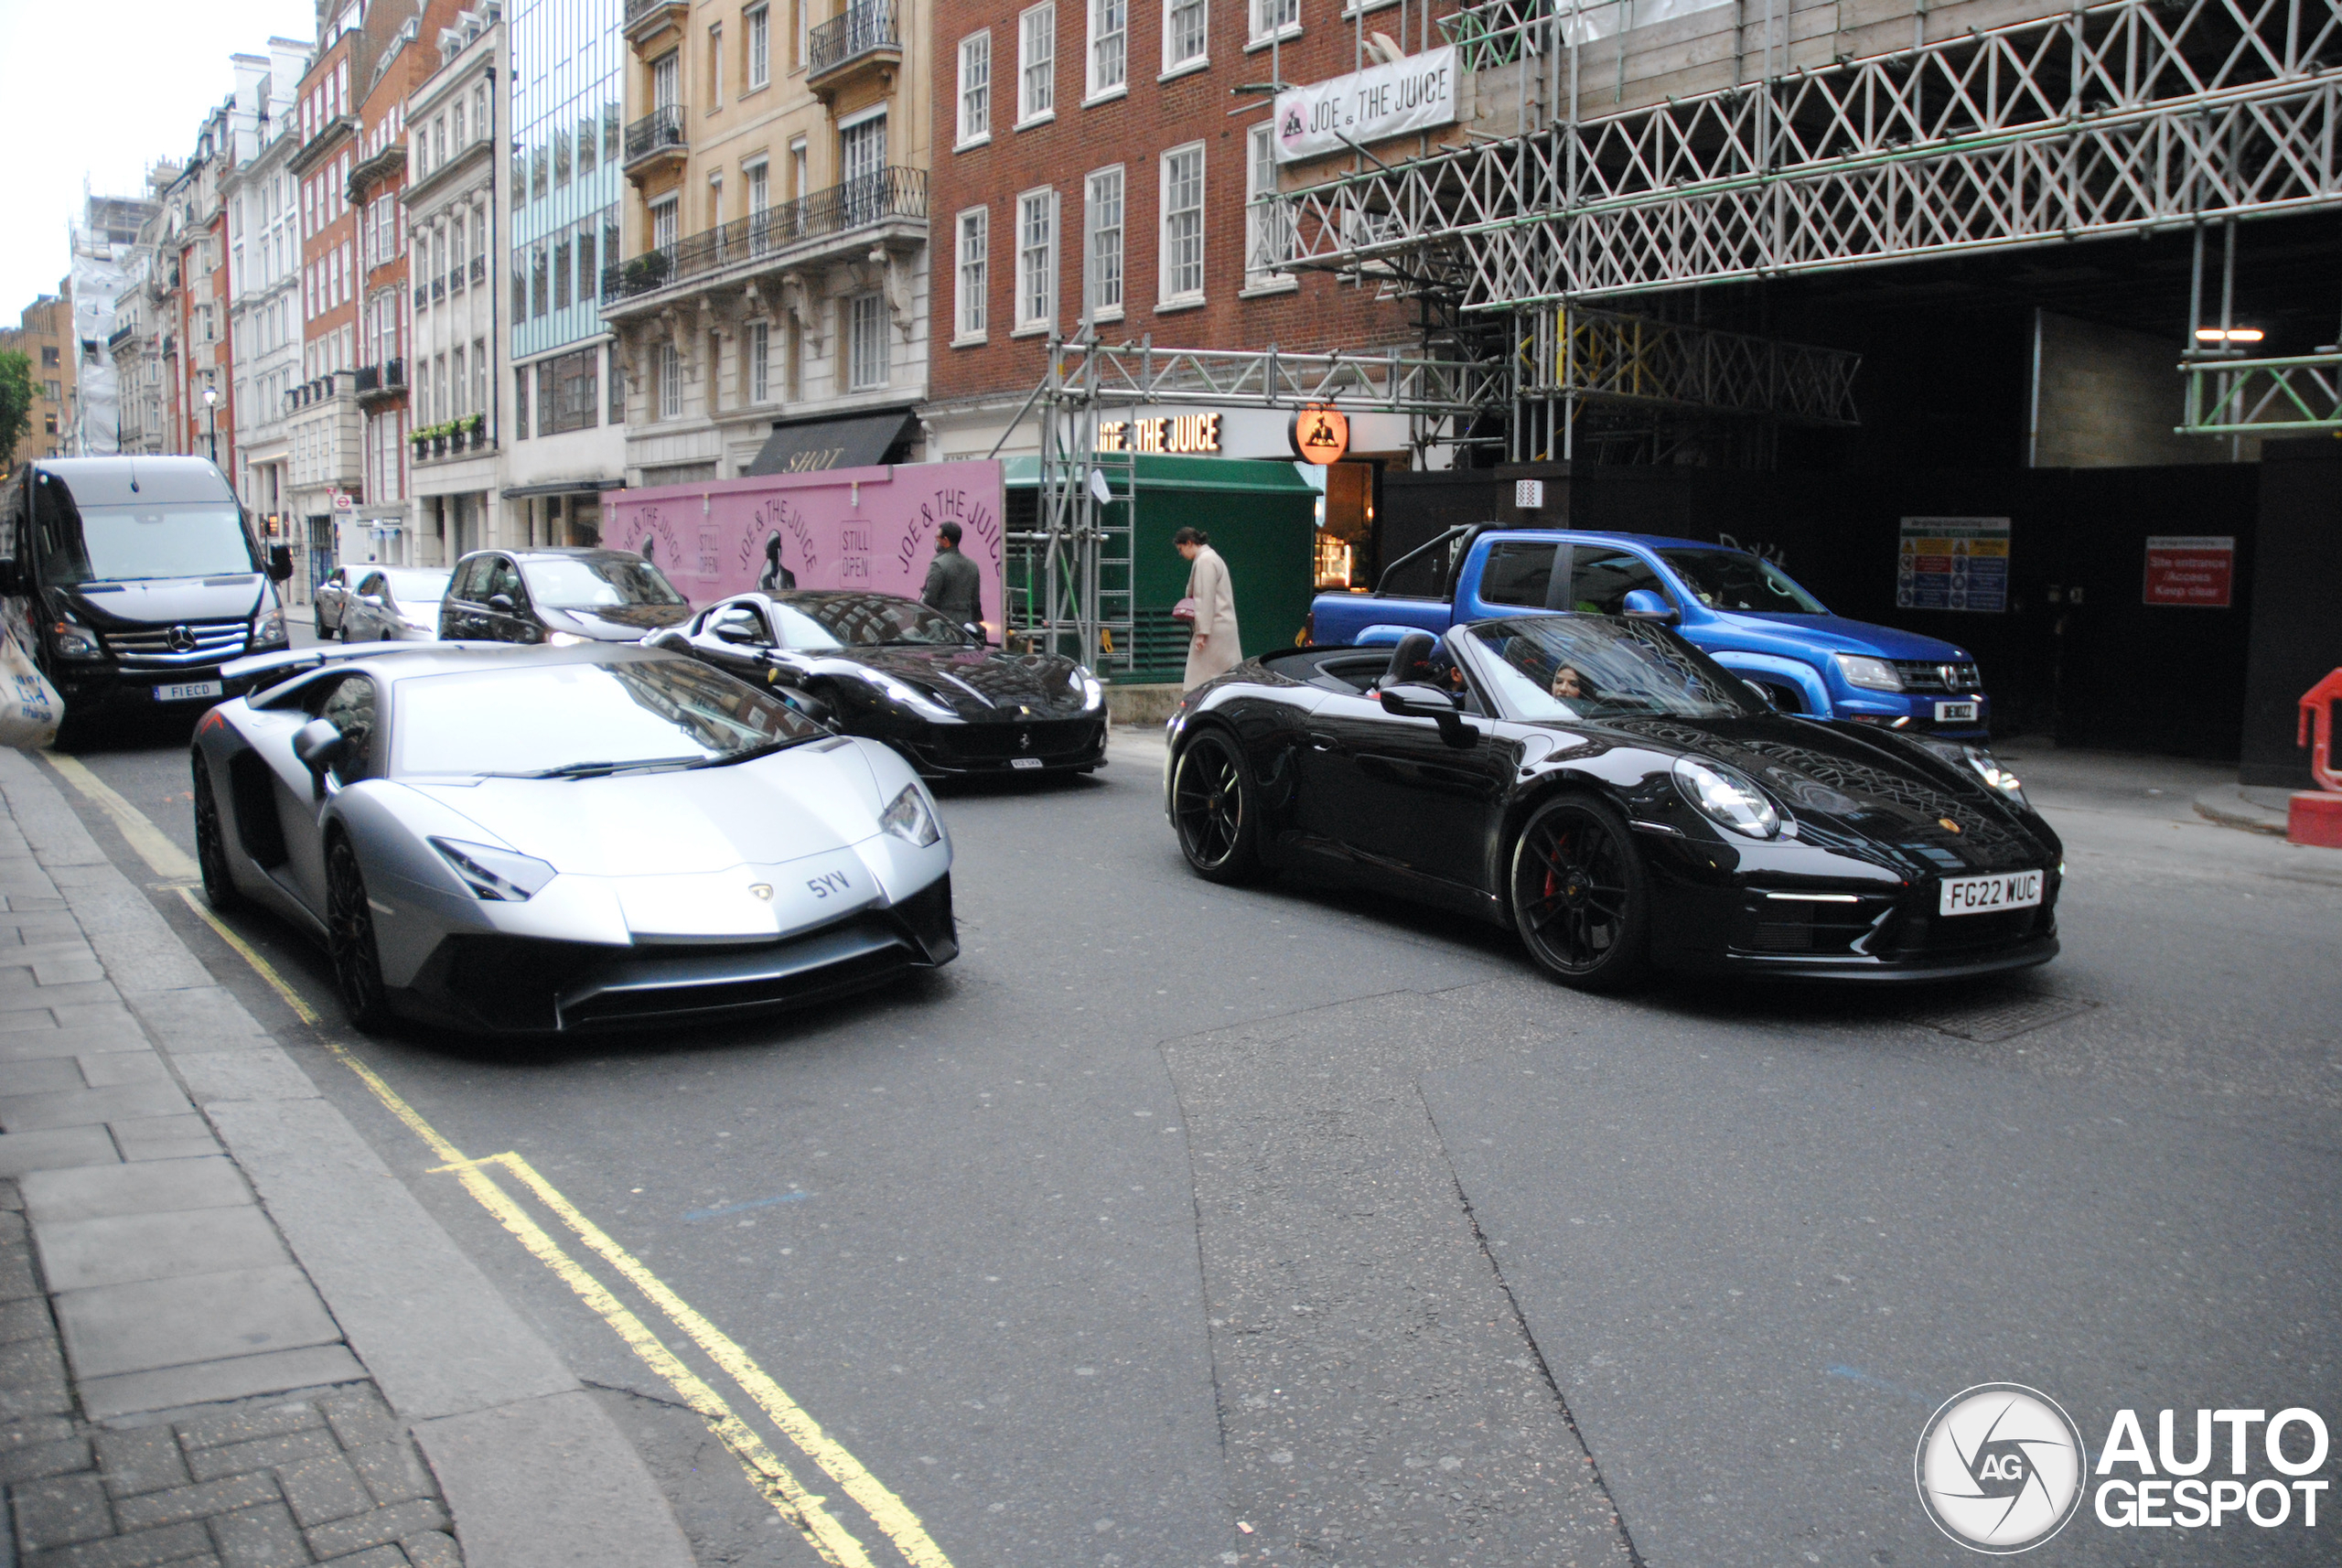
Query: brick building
[[44, 335], [1100, 167], [324, 427], [204, 425]]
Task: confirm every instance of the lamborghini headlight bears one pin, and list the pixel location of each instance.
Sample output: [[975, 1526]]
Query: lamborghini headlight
[[911, 818], [562, 639], [2000, 778], [1726, 799], [495, 876]]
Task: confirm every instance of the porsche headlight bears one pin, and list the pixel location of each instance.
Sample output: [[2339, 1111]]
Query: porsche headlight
[[911, 818], [495, 876], [1870, 674], [1998, 778], [562, 639], [911, 696], [1726, 799]]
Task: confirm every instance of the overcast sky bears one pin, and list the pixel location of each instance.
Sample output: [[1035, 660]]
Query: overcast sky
[[102, 89]]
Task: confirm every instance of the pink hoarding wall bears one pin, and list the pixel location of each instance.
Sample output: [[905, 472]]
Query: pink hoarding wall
[[852, 528]]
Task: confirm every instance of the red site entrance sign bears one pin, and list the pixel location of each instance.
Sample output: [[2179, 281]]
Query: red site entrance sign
[[2195, 573]]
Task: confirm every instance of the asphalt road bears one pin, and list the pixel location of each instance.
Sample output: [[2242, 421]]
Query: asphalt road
[[1174, 1224]]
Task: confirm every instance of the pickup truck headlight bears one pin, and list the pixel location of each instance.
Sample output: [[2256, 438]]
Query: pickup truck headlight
[[1727, 798], [495, 876], [910, 819], [1870, 674]]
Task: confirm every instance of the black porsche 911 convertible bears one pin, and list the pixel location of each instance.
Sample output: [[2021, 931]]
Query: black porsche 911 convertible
[[1621, 801], [891, 669]]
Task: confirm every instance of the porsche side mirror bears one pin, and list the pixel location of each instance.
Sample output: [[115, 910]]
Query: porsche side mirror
[[501, 603], [280, 563], [1416, 701], [975, 632], [1763, 694], [813, 707], [318, 744], [1644, 604]]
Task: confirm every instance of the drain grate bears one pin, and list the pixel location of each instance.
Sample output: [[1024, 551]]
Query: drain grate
[[2002, 1018]]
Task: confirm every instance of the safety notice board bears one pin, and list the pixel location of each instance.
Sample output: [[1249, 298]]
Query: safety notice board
[[1953, 564], [2191, 573]]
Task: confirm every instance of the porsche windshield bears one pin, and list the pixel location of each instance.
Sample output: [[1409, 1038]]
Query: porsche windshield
[[126, 543], [1736, 580], [876, 621], [596, 582], [1594, 668], [547, 720]]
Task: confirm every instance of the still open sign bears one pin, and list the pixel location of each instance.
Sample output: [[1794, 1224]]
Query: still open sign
[[2191, 573]]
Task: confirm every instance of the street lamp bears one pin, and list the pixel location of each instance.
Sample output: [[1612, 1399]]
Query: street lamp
[[211, 420]]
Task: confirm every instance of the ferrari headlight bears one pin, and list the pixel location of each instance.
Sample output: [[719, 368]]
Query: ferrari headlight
[[268, 625], [562, 639], [911, 818], [1093, 694], [1870, 674], [911, 696], [1726, 799], [495, 876], [1999, 778]]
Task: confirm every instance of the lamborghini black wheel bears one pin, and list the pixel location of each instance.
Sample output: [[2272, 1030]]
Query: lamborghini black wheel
[[350, 939], [212, 843]]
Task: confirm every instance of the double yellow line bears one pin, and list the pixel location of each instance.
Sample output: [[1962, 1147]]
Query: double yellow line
[[772, 1478]]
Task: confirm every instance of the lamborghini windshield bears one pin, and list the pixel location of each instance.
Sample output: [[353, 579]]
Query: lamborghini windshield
[[582, 719], [1596, 667]]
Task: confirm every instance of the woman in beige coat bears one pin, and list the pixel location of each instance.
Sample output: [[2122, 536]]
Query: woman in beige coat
[[1216, 647]]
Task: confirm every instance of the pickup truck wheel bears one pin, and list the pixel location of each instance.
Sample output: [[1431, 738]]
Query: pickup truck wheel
[[1581, 898], [1216, 809]]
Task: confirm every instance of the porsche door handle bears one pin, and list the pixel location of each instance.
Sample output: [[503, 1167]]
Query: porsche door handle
[[1320, 741]]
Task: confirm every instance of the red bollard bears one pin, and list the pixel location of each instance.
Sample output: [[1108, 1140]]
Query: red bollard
[[2314, 816]]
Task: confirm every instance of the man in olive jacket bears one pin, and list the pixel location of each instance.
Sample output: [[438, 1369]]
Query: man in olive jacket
[[954, 587]]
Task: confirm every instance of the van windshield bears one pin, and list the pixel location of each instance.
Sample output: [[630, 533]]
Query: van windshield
[[119, 545]]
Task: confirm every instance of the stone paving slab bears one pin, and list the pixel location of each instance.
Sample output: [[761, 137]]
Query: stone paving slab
[[154, 1324], [125, 1248], [54, 1197]]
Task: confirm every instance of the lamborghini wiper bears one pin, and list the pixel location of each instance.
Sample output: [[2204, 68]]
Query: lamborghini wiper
[[603, 769]]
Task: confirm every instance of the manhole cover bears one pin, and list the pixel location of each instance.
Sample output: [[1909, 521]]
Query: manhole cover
[[2002, 1018]]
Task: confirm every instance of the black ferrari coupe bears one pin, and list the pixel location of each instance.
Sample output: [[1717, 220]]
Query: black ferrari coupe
[[891, 669], [1620, 800]]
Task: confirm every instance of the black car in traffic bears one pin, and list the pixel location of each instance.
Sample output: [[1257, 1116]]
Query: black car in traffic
[[558, 596], [890, 667], [1620, 800]]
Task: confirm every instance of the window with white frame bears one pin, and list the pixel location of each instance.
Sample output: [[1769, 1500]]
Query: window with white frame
[[670, 382], [758, 25], [1182, 205], [663, 224], [1275, 18], [1110, 39], [1037, 254], [1185, 33], [866, 341], [1101, 222], [976, 88], [1037, 63], [757, 346], [975, 272], [1268, 222]]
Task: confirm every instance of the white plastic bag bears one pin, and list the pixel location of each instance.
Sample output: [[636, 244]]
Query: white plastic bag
[[30, 708]]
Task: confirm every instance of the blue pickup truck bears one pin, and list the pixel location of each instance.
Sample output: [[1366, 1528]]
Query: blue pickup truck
[[1740, 609]]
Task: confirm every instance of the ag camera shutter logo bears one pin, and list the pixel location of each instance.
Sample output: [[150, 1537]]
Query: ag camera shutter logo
[[1999, 1468]]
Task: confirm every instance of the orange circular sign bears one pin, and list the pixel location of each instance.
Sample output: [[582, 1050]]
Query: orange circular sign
[[1320, 434]]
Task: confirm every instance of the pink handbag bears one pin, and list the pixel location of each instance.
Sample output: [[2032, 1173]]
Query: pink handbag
[[1184, 610]]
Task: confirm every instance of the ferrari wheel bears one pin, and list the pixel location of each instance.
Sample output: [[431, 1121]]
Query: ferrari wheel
[[1580, 897], [212, 843], [1212, 804], [349, 938]]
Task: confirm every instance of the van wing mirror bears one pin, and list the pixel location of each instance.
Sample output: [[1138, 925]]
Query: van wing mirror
[[280, 563], [12, 576]]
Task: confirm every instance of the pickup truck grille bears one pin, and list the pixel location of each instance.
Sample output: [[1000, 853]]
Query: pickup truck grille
[[1918, 675], [169, 647]]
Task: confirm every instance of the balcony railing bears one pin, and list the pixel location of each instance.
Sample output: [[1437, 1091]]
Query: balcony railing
[[859, 30], [456, 280], [638, 10], [857, 204], [422, 293], [479, 269], [439, 288], [387, 378], [655, 131]]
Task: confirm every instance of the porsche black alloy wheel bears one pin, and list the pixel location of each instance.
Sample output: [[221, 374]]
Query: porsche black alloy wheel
[[349, 938], [210, 842], [1212, 805], [1580, 898]]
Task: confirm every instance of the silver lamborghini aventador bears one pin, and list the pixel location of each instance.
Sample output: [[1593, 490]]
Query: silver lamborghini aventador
[[534, 839]]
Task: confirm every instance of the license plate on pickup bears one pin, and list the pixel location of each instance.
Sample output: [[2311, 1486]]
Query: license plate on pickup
[[1024, 762], [1989, 895], [187, 691], [1955, 713]]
